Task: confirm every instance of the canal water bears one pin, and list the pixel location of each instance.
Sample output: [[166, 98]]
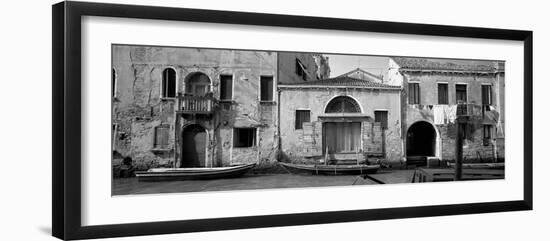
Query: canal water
[[124, 186]]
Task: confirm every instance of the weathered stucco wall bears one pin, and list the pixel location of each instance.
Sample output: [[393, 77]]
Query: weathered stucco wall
[[297, 143], [473, 149], [428, 86], [138, 107]]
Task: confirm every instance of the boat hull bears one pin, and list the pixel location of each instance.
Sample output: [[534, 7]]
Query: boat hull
[[179, 174], [331, 169]]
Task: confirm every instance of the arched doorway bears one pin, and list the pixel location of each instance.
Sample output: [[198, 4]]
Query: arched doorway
[[193, 147], [197, 84], [421, 140], [342, 134]]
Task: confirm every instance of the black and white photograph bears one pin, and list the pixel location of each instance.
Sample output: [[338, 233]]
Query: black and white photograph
[[192, 119], [275, 120]]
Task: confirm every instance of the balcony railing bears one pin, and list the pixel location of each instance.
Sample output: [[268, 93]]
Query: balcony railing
[[196, 104], [471, 109]]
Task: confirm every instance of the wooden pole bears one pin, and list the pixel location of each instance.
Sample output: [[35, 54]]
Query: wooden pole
[[459, 143]]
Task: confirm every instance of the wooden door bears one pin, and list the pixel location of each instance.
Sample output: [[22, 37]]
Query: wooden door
[[193, 153], [342, 137]]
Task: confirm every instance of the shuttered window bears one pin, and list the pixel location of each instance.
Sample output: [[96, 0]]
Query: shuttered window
[[461, 93], [382, 117], [301, 117], [161, 136], [244, 137], [414, 93], [301, 70], [226, 87], [442, 93], [486, 97], [266, 88], [487, 134], [168, 83]]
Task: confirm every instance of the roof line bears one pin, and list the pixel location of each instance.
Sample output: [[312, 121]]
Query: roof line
[[286, 86], [362, 70]]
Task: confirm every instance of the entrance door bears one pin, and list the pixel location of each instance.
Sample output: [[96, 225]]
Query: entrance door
[[342, 137], [193, 150], [421, 139]]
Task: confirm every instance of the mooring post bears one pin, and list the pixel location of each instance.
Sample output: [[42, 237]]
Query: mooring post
[[458, 156]]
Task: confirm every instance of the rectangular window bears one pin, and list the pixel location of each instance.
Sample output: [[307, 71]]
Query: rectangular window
[[487, 134], [301, 70], [266, 88], [244, 137], [382, 117], [414, 93], [442, 94], [301, 117], [461, 93], [161, 136], [168, 83], [113, 83], [226, 87], [486, 96]]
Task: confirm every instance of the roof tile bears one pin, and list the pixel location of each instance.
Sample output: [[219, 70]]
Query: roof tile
[[346, 81]]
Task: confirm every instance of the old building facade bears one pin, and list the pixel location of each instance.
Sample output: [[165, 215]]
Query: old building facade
[[199, 107], [192, 107], [434, 88], [344, 118]]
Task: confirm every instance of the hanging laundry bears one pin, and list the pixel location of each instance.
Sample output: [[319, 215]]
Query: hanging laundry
[[491, 116], [451, 113], [439, 114], [500, 129], [476, 110]]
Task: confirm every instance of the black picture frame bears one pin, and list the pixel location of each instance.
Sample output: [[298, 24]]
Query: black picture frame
[[66, 127]]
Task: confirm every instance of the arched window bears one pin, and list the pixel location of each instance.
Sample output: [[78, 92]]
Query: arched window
[[168, 83], [113, 82], [197, 84], [343, 104]]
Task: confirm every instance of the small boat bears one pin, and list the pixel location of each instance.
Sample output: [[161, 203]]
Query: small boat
[[194, 173], [332, 169]]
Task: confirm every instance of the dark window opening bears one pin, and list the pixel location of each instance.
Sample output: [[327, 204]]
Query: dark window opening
[[343, 104], [113, 83], [169, 83], [197, 84], [442, 94], [244, 137], [161, 136], [414, 93], [301, 70], [382, 117], [486, 95], [461, 93], [301, 117], [266, 88], [226, 87]]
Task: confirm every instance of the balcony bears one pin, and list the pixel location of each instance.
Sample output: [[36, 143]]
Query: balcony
[[196, 105]]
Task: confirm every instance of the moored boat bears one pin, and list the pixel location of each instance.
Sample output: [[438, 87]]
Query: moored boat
[[331, 169], [195, 173]]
